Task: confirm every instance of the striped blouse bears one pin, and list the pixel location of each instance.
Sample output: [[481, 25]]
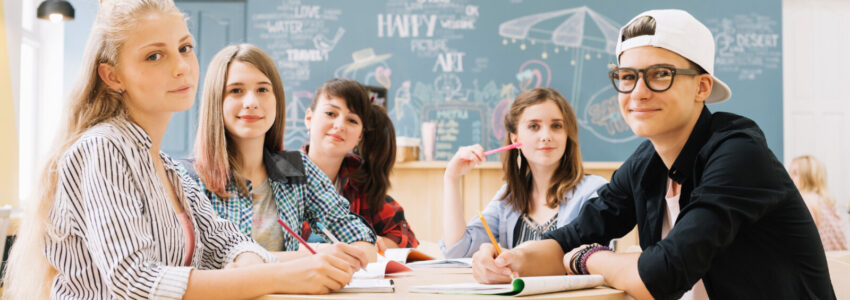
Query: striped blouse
[[113, 233]]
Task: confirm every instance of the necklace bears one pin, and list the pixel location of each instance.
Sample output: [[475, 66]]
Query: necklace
[[538, 228]]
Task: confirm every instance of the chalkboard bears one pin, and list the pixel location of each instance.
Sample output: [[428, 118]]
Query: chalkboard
[[459, 63]]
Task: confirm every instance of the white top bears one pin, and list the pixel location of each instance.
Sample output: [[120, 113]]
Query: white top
[[113, 233], [697, 292], [265, 229]]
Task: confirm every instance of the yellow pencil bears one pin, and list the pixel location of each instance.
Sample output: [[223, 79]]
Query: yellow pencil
[[490, 233]]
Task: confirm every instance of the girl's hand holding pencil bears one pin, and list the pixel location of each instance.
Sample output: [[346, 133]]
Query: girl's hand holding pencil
[[468, 157], [353, 255]]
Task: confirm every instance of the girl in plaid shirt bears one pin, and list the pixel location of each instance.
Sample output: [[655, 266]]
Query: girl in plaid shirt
[[248, 179], [341, 118]]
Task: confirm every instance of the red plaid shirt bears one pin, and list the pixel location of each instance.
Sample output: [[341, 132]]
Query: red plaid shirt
[[387, 220]]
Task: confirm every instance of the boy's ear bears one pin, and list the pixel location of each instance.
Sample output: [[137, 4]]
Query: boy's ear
[[704, 86]]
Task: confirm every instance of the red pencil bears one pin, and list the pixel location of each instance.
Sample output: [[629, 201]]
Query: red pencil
[[302, 241], [508, 147]]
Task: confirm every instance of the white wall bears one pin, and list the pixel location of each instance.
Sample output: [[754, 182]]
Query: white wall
[[816, 48], [12, 22]]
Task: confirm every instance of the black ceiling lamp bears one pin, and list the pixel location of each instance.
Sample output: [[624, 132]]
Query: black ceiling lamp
[[55, 10]]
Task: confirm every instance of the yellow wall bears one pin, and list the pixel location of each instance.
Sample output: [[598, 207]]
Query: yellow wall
[[8, 132]]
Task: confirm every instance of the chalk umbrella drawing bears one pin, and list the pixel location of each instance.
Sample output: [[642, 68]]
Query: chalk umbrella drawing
[[586, 34]]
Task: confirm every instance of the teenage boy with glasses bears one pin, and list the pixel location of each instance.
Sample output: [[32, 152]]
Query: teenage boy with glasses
[[717, 214]]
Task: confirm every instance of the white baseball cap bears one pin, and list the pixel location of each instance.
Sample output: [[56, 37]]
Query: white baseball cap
[[678, 31]]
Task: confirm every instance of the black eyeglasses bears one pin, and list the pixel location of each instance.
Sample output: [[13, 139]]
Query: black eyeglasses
[[658, 78]]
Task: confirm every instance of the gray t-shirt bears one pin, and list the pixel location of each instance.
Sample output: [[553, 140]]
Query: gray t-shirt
[[265, 229]]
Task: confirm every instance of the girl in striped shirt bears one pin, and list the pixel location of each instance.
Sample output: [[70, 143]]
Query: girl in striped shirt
[[118, 219]]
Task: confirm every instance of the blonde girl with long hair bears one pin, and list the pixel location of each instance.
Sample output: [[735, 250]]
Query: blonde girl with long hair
[[117, 218], [546, 185], [249, 179], [809, 175]]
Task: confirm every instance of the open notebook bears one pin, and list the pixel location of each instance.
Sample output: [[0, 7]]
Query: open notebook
[[522, 286], [405, 255], [381, 268], [369, 286], [465, 262]]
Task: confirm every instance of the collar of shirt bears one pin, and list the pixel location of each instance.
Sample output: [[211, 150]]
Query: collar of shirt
[[684, 163], [350, 163], [139, 137], [280, 167]]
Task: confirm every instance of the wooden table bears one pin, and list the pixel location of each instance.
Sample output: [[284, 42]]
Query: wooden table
[[839, 272], [423, 276]]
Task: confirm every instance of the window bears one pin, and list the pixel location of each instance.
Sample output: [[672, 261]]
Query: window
[[39, 98]]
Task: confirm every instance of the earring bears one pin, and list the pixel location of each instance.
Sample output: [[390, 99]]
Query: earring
[[519, 158], [120, 91]]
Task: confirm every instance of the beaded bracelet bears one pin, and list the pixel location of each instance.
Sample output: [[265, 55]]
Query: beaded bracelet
[[586, 255], [575, 259]]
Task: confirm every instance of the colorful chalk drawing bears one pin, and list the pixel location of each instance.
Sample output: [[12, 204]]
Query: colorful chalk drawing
[[427, 53], [296, 131], [748, 45], [602, 117], [586, 35], [532, 74], [404, 113]]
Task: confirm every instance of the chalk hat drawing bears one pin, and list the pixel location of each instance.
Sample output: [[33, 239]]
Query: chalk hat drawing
[[364, 58]]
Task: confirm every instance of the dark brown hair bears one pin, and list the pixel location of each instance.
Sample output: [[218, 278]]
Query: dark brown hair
[[377, 148], [518, 175], [216, 159]]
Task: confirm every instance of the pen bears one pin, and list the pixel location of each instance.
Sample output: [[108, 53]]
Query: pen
[[508, 147], [302, 241], [490, 233]]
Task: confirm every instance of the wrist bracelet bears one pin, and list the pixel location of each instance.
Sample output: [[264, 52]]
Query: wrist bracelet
[[575, 260], [586, 255]]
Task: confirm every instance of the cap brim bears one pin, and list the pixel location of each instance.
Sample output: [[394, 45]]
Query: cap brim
[[719, 92]]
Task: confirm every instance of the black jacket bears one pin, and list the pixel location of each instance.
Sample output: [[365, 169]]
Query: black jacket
[[743, 227]]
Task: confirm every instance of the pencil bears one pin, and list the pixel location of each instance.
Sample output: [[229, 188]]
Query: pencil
[[490, 233], [508, 147], [326, 232], [300, 240]]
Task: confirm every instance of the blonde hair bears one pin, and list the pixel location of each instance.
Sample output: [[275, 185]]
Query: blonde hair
[[216, 159], [812, 177], [570, 169], [28, 273]]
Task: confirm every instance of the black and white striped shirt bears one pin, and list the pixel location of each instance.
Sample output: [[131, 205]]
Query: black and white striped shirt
[[113, 233]]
